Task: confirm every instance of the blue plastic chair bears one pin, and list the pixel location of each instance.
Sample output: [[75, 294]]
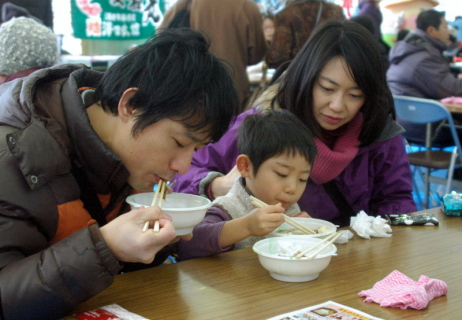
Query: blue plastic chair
[[427, 111]]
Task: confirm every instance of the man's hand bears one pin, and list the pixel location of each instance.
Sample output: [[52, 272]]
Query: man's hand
[[127, 241]]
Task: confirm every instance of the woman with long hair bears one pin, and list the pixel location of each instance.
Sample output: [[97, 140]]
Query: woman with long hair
[[337, 86]]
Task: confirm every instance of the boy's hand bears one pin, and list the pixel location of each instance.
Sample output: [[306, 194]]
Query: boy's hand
[[262, 221]]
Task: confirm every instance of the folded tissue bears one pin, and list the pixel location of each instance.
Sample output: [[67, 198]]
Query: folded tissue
[[369, 226], [398, 291]]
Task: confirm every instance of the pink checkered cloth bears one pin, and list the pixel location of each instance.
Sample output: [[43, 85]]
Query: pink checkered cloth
[[399, 291], [457, 100]]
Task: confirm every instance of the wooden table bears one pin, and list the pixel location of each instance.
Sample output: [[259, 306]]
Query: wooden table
[[233, 285], [454, 107]]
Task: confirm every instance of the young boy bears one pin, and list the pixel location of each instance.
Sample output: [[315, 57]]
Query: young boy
[[276, 154]]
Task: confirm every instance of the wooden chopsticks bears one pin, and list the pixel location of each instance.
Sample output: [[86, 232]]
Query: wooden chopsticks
[[260, 204], [330, 239], [162, 191]]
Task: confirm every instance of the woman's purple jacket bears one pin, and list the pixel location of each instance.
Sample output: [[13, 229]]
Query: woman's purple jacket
[[378, 180]]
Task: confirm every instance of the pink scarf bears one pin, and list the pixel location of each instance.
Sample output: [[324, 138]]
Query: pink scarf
[[329, 163]]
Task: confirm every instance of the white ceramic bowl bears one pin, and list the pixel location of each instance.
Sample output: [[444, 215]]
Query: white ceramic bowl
[[286, 230], [276, 256], [186, 210]]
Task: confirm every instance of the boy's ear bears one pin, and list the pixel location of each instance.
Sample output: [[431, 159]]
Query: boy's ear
[[244, 165], [125, 109]]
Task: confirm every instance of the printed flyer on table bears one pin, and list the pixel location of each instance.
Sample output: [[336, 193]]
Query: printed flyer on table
[[326, 310]]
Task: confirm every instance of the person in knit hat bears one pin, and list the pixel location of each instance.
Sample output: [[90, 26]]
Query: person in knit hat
[[25, 46]]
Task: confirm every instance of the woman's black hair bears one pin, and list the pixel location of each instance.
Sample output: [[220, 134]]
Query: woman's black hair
[[272, 133], [177, 78], [359, 48]]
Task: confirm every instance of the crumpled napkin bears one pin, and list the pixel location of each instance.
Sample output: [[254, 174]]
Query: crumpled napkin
[[398, 291], [346, 235], [366, 226]]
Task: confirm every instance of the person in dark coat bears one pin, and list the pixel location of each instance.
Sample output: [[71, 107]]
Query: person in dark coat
[[371, 8], [293, 26], [367, 22], [75, 142], [39, 9], [419, 69]]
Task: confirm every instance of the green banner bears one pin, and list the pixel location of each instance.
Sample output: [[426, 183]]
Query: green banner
[[116, 19]]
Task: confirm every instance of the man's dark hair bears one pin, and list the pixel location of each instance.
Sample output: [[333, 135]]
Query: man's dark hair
[[177, 78], [272, 133], [429, 18]]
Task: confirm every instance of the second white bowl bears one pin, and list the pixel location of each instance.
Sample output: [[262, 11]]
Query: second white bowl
[[277, 256]]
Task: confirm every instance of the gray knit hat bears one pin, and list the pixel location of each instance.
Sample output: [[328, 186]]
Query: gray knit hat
[[25, 44]]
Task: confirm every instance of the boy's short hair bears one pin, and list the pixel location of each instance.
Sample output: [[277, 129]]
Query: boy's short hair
[[177, 78], [429, 18], [272, 133]]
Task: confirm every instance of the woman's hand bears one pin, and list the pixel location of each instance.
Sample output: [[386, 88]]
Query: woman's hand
[[221, 185]]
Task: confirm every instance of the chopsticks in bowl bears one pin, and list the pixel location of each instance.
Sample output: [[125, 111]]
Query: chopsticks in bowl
[[260, 204], [330, 239]]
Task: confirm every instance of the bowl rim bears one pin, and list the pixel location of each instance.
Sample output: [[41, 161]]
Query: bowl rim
[[205, 206], [318, 256]]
